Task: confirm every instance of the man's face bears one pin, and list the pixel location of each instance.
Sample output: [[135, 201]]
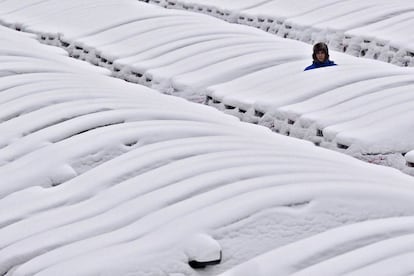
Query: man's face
[[320, 56]]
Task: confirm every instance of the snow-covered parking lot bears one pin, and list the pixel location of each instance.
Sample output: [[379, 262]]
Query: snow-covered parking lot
[[361, 107], [377, 29], [99, 176]]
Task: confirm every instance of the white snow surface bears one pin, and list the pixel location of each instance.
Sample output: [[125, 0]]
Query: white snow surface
[[374, 29], [104, 177], [361, 107]]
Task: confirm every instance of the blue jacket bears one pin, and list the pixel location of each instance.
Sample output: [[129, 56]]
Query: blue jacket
[[316, 65]]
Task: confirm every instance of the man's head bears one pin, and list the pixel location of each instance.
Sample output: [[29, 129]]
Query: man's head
[[320, 52]]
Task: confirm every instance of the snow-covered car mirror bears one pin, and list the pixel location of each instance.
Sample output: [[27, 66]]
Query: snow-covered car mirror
[[202, 251]]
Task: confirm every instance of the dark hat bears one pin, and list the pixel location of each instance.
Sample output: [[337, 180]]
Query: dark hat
[[320, 47]]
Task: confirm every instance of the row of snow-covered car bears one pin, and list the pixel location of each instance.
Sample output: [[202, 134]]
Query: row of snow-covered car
[[102, 176], [361, 107], [373, 29]]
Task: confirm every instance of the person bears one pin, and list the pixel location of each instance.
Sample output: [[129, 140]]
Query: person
[[320, 57]]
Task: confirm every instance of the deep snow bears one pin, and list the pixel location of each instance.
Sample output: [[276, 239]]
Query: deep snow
[[102, 176], [243, 71]]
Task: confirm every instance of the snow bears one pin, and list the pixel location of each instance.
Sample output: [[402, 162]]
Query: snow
[[106, 177], [373, 29], [246, 72], [366, 110], [203, 248], [348, 250]]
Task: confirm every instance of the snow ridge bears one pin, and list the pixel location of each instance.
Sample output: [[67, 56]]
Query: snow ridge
[[371, 29], [105, 177], [239, 70], [243, 71]]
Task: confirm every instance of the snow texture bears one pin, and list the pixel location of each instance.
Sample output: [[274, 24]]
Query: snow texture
[[104, 177], [373, 29], [361, 107]]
